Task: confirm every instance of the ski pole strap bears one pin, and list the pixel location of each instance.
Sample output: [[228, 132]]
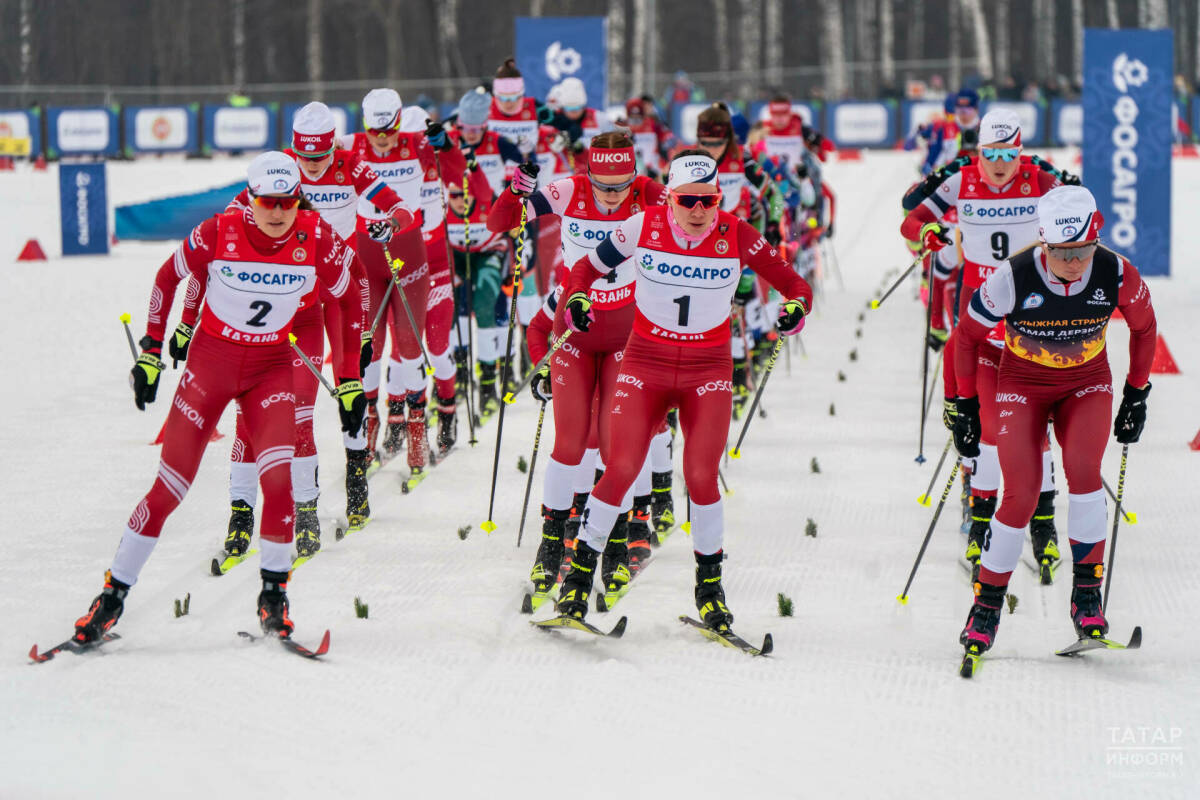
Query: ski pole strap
[[312, 367], [921, 255], [510, 397]]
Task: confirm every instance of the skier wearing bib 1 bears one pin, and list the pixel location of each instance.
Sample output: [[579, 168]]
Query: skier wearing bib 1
[[1054, 301], [688, 257], [254, 268], [590, 206]]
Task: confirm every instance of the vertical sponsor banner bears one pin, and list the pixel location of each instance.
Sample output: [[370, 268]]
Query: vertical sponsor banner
[[1127, 76], [83, 198], [550, 49]]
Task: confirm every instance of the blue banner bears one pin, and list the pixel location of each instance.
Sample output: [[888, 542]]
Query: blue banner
[[1127, 81], [83, 198], [1067, 126], [173, 217], [853, 123], [550, 49], [239, 128], [90, 130]]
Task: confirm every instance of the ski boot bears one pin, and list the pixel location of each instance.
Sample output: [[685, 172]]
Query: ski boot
[[550, 552], [105, 611], [639, 534], [576, 517], [447, 433], [614, 569], [982, 509], [308, 529], [1086, 613], [577, 585], [394, 439], [662, 506], [241, 528], [418, 441], [273, 604], [710, 597], [1045, 538], [358, 506], [461, 376], [489, 403], [984, 618]]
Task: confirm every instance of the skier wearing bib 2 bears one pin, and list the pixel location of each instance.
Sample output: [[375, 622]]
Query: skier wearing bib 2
[[254, 267], [1055, 301], [688, 257]]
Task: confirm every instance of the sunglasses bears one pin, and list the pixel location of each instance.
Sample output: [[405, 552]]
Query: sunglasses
[[693, 200], [509, 98], [386, 131], [316, 157], [456, 193], [573, 108], [611, 188], [286, 202], [472, 129], [1072, 253], [710, 142], [1005, 154]]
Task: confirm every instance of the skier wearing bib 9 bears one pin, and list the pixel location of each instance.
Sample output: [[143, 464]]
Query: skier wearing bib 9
[[254, 268], [996, 197], [332, 180], [586, 367], [402, 159], [1054, 301], [687, 257]]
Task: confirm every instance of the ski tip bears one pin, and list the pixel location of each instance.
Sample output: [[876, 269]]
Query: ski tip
[[619, 629], [768, 645], [902, 599], [1135, 641], [323, 647], [35, 656], [215, 568], [527, 604], [488, 526]]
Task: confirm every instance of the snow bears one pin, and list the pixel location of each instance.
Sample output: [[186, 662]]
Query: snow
[[446, 690]]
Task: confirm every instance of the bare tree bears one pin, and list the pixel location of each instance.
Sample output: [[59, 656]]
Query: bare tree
[[721, 31], [26, 34], [239, 43], [979, 34], [773, 30], [1152, 14], [1043, 39], [833, 53], [954, 23], [641, 26], [315, 71], [616, 52], [864, 51], [1110, 11], [887, 37], [915, 20], [1001, 65], [1077, 40], [750, 41]]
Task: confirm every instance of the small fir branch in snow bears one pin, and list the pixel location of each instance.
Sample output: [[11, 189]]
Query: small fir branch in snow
[[810, 528], [522, 464], [463, 531], [1012, 603], [361, 609], [785, 604], [814, 466], [181, 609]]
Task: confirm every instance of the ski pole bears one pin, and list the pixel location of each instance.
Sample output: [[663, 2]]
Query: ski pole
[[313, 367], [736, 452], [488, 524], [537, 439], [383, 304], [724, 486], [470, 308], [1112, 547], [1129, 516], [920, 459], [396, 265], [903, 596], [450, 260], [924, 499], [510, 397], [877, 303], [125, 319]]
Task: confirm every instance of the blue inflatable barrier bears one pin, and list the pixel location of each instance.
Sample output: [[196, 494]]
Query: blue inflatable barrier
[[173, 217]]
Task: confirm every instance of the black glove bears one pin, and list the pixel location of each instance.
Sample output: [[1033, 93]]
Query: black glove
[[436, 135], [364, 354], [540, 386], [791, 317], [1131, 416], [352, 404], [773, 235], [579, 312], [966, 426], [1068, 179], [936, 339], [380, 230], [949, 413], [178, 345], [143, 378]]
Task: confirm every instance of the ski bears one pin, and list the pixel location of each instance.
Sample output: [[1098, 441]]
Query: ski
[[532, 601], [574, 623], [1044, 571], [659, 538], [291, 645], [414, 480], [78, 648], [730, 639], [1086, 643], [606, 600], [225, 562], [971, 661]]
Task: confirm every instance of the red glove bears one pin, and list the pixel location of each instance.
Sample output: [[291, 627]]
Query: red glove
[[934, 236]]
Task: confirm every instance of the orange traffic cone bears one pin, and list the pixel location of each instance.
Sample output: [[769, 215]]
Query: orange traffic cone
[[1163, 363], [1195, 443], [32, 251], [39, 163]]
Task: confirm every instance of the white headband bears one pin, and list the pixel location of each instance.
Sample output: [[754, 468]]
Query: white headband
[[692, 169]]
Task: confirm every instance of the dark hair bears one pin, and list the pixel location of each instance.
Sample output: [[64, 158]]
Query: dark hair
[[780, 97], [612, 140], [305, 205], [691, 151], [508, 69]]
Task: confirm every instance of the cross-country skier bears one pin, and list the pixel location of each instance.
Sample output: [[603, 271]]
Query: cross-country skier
[[254, 268], [687, 258], [1054, 301]]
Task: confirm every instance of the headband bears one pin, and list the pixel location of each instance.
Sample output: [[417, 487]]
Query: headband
[[611, 161], [508, 86], [692, 169]]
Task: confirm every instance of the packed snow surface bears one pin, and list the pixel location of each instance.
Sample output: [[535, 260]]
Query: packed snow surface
[[446, 690]]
